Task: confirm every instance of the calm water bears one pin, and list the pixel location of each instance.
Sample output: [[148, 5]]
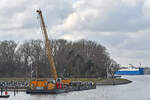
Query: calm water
[[139, 89]]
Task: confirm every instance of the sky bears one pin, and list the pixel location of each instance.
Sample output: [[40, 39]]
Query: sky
[[122, 26]]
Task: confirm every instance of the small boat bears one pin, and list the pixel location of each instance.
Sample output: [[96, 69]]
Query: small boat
[[6, 94]]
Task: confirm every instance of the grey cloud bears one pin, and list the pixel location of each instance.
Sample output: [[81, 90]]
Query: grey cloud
[[107, 22], [141, 43], [120, 19], [54, 12]]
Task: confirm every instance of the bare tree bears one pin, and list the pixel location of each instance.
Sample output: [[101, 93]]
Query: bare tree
[[81, 58]]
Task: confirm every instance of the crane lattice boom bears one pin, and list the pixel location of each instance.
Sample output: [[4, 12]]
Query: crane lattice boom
[[47, 43]]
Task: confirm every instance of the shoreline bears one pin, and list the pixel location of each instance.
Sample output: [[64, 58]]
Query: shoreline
[[119, 81], [101, 82], [110, 81], [97, 81]]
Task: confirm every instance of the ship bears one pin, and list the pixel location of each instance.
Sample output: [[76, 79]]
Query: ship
[[130, 71]]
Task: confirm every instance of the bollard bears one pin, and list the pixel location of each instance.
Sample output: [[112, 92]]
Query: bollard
[[14, 91]]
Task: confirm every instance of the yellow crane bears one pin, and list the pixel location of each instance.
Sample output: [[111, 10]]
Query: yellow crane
[[58, 85], [43, 85], [47, 43]]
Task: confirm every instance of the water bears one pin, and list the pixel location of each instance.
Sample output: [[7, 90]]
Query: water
[[137, 90]]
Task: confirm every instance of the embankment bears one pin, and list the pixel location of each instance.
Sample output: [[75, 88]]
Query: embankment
[[116, 81]]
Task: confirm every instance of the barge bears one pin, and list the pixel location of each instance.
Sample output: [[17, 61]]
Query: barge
[[73, 86], [54, 91]]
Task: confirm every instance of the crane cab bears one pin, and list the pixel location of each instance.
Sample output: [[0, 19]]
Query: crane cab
[[38, 84], [41, 85]]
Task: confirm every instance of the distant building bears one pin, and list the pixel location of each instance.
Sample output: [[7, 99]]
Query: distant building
[[147, 71]]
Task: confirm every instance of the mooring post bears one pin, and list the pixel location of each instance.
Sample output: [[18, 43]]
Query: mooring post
[[14, 91], [1, 90]]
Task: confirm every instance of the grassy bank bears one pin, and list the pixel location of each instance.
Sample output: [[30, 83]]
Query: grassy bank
[[116, 81]]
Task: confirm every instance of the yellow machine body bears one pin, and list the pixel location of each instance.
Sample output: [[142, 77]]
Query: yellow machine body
[[51, 86], [65, 81], [38, 84]]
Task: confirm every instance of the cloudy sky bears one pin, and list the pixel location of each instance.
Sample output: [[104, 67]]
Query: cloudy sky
[[122, 26]]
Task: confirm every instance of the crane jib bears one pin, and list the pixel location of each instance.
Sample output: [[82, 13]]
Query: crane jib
[[49, 51]]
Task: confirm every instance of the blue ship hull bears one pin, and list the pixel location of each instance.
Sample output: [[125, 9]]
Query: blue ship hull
[[139, 72]]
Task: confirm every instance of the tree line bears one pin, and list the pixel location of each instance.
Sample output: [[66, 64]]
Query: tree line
[[83, 58]]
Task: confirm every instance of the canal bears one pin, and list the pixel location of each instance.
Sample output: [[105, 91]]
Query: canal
[[139, 89]]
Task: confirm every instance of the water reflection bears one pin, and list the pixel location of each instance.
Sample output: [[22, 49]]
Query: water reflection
[[137, 90]]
